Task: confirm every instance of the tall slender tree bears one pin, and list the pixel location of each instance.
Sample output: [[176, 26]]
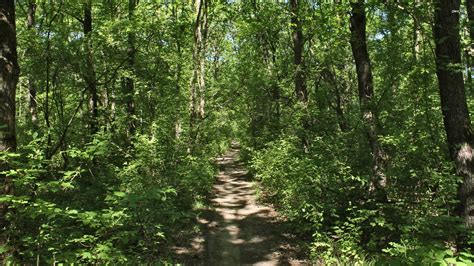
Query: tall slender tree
[[198, 85], [179, 66], [298, 46], [366, 96], [90, 76], [9, 72], [299, 78], [201, 39], [456, 118], [32, 102], [129, 84]]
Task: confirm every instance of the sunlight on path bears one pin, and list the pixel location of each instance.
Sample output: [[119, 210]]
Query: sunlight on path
[[238, 231]]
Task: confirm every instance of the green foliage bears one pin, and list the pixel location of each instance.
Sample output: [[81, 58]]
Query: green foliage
[[121, 196], [434, 255], [325, 194], [326, 191], [115, 196], [95, 211]]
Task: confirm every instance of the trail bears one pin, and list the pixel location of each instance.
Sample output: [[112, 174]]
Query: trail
[[237, 230]]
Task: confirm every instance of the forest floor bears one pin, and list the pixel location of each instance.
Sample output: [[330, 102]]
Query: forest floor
[[236, 229]]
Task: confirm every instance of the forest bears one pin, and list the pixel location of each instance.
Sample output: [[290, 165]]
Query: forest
[[350, 117]]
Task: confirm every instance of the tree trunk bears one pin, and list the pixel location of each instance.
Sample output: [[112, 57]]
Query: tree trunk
[[9, 72], [33, 112], [298, 45], [198, 86], [202, 60], [90, 77], [299, 79], [453, 100], [366, 96], [129, 84], [177, 125], [417, 33]]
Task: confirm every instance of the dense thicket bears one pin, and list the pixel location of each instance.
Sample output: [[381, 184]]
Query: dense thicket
[[103, 170], [353, 117]]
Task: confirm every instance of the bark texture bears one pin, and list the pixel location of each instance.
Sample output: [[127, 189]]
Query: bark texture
[[453, 100], [366, 95], [9, 72]]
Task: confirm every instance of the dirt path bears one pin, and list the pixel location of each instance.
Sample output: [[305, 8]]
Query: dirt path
[[237, 230]]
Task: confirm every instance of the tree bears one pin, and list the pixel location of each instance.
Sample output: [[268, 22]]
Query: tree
[[316, 106], [179, 65], [90, 76], [366, 95], [129, 84], [299, 72], [198, 79], [32, 90], [9, 73], [456, 119]]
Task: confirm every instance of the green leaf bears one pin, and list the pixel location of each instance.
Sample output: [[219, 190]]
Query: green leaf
[[3, 249], [467, 255], [449, 252], [86, 255], [120, 194], [450, 260]]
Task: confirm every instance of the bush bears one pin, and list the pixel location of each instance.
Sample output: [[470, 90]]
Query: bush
[[325, 192], [103, 205]]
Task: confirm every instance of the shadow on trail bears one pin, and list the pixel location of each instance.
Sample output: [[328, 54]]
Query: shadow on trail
[[238, 231]]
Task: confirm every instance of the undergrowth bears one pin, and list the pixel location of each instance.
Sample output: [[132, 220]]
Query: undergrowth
[[326, 193]]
